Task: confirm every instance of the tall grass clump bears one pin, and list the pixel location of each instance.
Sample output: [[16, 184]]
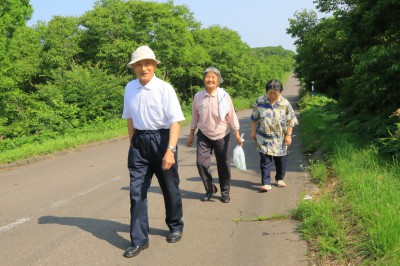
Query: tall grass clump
[[354, 219], [319, 172], [372, 188], [323, 226], [316, 119]]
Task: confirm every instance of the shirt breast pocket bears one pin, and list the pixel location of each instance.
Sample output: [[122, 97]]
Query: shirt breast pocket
[[152, 107]]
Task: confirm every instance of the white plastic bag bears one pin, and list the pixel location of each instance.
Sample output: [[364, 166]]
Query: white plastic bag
[[238, 157]]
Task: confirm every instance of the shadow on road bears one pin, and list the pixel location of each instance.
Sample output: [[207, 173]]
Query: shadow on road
[[102, 229], [186, 194]]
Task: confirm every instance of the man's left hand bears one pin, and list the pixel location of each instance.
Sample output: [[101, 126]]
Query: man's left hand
[[168, 160]]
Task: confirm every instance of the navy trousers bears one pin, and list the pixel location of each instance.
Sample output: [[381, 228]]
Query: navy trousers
[[144, 160], [205, 147], [266, 165]]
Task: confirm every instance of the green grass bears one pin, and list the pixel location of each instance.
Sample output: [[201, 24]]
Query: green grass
[[372, 187], [315, 121], [355, 217], [323, 225], [261, 218], [319, 172], [42, 146]]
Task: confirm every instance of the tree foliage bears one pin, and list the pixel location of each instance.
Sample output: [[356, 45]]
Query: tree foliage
[[13, 16], [354, 56], [70, 72]]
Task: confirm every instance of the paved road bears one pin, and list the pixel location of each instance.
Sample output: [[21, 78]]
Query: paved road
[[74, 210]]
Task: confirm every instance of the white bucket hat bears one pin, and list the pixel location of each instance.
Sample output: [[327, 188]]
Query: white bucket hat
[[143, 52]]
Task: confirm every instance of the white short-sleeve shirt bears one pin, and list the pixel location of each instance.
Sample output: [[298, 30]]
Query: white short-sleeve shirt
[[153, 106]]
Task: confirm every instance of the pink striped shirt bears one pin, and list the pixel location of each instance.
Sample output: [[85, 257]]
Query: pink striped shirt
[[205, 115]]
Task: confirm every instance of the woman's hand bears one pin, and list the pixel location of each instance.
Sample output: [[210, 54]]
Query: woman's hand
[[190, 140], [253, 125], [191, 137], [238, 138], [288, 139], [252, 135]]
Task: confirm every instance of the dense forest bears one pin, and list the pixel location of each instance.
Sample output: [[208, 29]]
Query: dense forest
[[70, 72], [353, 56]]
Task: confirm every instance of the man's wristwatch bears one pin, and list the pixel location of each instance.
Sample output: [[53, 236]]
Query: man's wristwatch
[[173, 149]]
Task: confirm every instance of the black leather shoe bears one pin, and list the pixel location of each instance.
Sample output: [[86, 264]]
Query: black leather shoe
[[174, 237], [206, 196], [225, 199], [135, 250]]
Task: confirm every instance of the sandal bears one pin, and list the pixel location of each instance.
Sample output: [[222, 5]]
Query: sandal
[[281, 183], [265, 188]]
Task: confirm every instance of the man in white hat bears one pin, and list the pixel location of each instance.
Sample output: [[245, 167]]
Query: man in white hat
[[153, 112]]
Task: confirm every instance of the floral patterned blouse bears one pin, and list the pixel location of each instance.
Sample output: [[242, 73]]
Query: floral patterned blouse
[[272, 124]]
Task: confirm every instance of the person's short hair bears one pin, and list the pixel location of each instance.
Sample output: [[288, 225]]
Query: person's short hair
[[216, 71], [274, 84]]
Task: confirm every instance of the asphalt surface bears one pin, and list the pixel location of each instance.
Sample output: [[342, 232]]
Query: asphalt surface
[[73, 209]]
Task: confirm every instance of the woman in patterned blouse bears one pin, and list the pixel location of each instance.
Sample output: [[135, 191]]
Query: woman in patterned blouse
[[272, 122]]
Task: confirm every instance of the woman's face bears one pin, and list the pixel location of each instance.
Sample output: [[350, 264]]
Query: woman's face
[[273, 95], [211, 81]]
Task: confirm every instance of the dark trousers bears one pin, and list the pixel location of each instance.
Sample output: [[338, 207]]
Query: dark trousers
[[205, 147], [145, 159], [266, 165]]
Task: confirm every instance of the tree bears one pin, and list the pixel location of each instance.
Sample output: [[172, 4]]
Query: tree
[[60, 43], [230, 55], [114, 28], [13, 15], [354, 55], [24, 52], [69, 72]]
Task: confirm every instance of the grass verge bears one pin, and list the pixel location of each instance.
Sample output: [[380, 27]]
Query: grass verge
[[354, 219], [260, 218], [46, 145]]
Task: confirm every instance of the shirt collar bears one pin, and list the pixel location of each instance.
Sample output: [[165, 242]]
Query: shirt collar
[[214, 94], [149, 85]]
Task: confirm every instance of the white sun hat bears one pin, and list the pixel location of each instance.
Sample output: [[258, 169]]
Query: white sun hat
[[143, 52]]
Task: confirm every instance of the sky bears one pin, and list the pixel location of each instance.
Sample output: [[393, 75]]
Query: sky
[[260, 23]]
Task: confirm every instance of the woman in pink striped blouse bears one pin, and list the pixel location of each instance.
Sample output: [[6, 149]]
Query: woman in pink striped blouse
[[214, 115]]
